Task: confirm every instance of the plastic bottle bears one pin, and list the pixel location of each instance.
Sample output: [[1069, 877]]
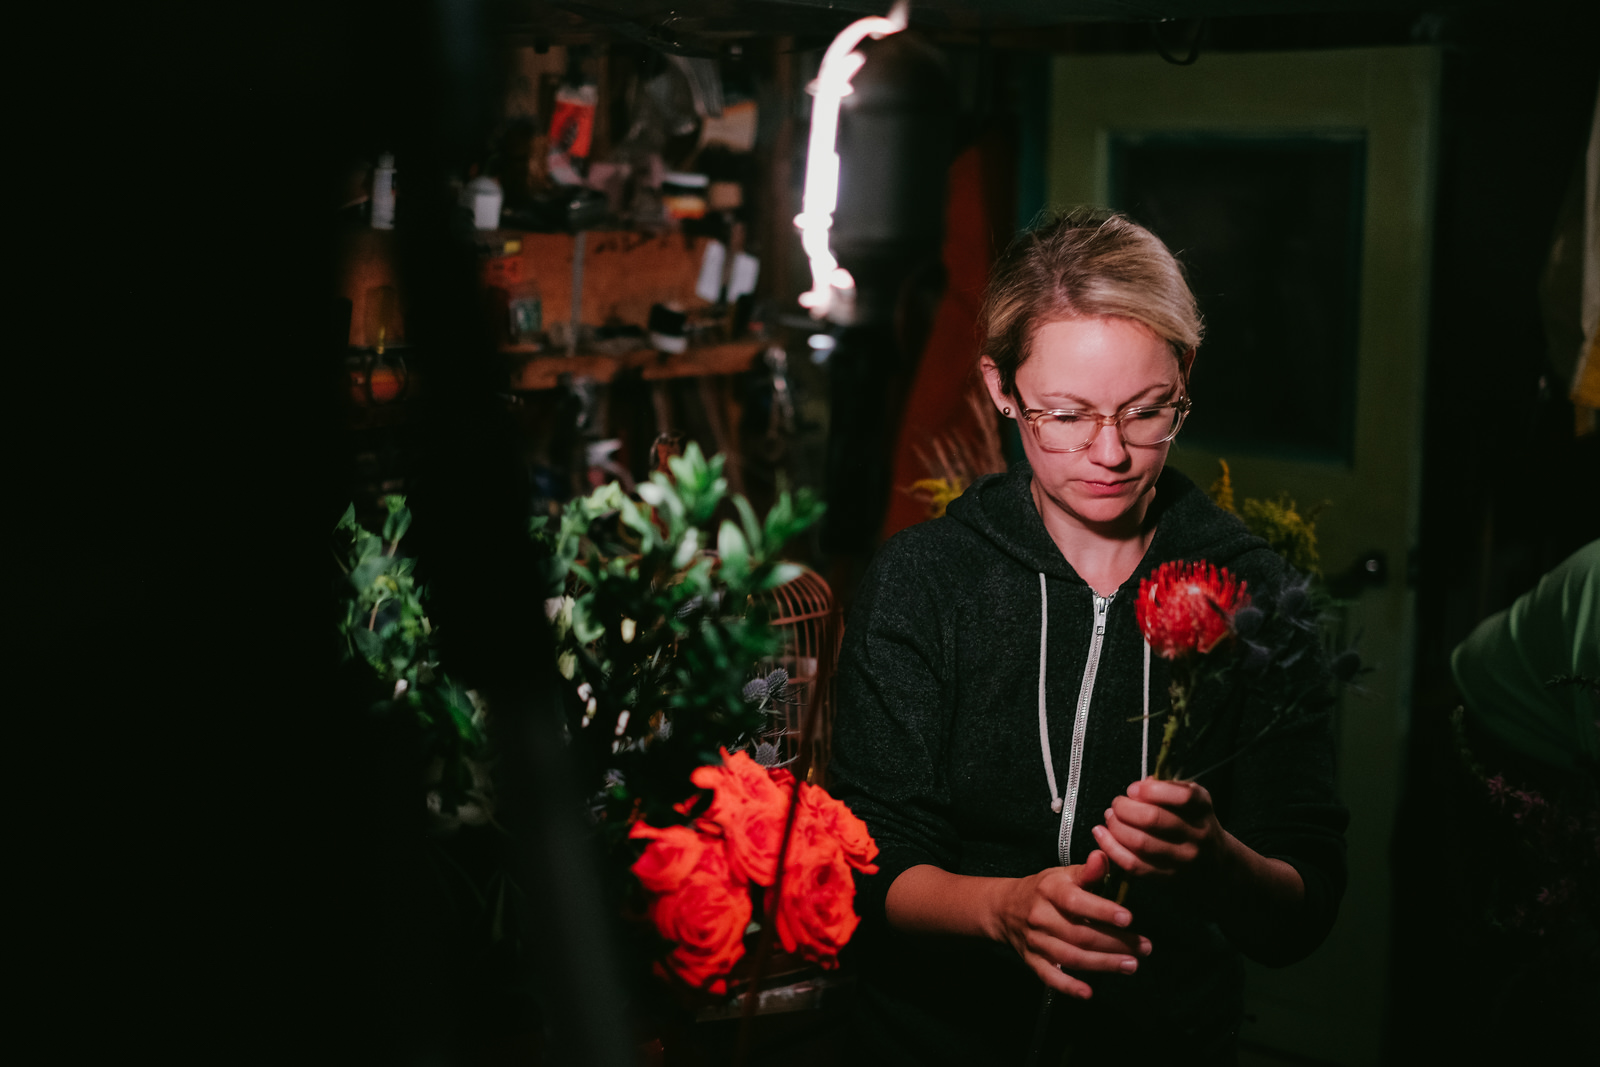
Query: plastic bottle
[[383, 193]]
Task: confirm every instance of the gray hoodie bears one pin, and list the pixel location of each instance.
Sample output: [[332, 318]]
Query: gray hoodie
[[991, 706]]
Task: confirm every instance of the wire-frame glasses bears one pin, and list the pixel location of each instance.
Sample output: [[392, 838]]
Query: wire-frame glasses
[[1061, 430]]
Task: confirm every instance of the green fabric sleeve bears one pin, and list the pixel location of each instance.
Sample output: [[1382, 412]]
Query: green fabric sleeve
[[1502, 668]]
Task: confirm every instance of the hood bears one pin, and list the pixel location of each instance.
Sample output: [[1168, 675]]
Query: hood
[[1000, 508]]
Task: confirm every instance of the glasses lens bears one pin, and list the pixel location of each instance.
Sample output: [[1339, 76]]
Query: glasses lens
[[1149, 426], [1065, 432]]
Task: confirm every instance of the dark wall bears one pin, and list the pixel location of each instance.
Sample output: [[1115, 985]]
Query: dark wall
[[1508, 492]]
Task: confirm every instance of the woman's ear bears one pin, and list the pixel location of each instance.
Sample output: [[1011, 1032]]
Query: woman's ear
[[1185, 365], [991, 381]]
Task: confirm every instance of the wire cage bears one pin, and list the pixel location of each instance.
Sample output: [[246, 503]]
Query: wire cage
[[804, 613]]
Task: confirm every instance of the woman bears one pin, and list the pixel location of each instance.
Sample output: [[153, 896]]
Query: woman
[[991, 729]]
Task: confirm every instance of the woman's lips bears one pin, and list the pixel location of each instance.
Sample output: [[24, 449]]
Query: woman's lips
[[1105, 488]]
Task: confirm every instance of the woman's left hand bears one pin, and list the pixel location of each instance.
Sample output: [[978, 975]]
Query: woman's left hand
[[1161, 828]]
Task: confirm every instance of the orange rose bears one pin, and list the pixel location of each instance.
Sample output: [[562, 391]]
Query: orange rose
[[842, 824], [697, 903], [749, 809], [816, 912]]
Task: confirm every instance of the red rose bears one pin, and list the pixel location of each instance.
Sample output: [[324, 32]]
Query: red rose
[[816, 914], [749, 809], [698, 903], [1188, 607]]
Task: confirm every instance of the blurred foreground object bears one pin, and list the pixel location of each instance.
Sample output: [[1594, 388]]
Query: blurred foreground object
[[1529, 675], [1586, 378]]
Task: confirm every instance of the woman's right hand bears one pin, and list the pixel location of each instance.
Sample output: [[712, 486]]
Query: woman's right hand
[[1058, 924]]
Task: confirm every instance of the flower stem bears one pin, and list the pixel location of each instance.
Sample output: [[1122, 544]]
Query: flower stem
[[1178, 694]]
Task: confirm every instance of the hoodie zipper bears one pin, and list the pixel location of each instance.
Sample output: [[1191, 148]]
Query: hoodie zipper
[[1080, 722]]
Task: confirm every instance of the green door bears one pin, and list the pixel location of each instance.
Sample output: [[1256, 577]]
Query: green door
[[1299, 187]]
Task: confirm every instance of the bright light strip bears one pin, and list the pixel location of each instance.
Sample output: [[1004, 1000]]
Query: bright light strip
[[839, 65]]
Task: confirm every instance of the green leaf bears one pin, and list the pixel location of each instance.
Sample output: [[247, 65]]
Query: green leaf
[[752, 526], [635, 520], [368, 643], [734, 551], [396, 525], [585, 627], [781, 574], [686, 549], [365, 574]]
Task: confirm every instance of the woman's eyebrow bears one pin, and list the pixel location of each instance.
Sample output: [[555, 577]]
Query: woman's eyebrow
[[1073, 398]]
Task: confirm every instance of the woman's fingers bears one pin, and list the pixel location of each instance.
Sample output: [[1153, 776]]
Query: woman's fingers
[[1057, 979], [1122, 855], [1070, 928], [1158, 828], [1073, 901], [1154, 820], [1051, 958], [1167, 794]]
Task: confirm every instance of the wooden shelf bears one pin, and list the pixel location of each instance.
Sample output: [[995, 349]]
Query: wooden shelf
[[534, 371]]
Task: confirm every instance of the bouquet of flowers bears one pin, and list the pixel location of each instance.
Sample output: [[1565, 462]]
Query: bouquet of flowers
[[1202, 620], [755, 833], [658, 612]]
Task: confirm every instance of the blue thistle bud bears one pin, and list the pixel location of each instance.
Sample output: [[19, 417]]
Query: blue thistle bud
[[1248, 620]]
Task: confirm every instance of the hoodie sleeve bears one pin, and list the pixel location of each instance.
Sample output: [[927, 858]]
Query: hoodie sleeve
[[888, 739], [1284, 805]]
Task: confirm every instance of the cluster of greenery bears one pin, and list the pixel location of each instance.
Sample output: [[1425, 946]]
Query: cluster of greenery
[[1278, 522], [659, 615], [383, 622]]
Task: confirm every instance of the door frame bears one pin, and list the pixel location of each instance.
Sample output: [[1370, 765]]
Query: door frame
[[1329, 1008]]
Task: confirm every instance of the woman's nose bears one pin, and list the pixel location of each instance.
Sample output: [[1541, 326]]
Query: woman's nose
[[1107, 448]]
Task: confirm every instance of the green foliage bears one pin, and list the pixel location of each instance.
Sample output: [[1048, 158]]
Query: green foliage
[[660, 620], [384, 623], [1290, 534], [1277, 522]]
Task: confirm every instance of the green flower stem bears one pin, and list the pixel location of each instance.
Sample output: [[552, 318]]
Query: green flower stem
[[1175, 720], [1178, 695]]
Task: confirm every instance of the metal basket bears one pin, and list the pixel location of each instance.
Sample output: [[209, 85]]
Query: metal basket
[[804, 613]]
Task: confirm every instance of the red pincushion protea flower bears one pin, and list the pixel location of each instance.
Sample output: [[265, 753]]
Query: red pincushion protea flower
[[1186, 608]]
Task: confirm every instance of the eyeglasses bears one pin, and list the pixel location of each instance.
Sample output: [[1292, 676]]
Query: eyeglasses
[[1073, 431]]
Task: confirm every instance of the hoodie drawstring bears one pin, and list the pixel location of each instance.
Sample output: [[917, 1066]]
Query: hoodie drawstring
[[1044, 726]]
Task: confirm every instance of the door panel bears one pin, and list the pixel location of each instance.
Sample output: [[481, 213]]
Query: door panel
[[1110, 113]]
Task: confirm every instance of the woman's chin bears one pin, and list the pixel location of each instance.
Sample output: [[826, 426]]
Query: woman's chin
[[1099, 506]]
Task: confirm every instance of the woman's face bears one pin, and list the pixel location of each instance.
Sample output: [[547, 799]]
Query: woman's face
[[1100, 365]]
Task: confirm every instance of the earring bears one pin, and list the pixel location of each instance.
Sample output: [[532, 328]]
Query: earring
[[1006, 412]]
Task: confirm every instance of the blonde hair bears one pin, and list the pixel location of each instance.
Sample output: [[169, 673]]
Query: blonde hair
[[1085, 264]]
